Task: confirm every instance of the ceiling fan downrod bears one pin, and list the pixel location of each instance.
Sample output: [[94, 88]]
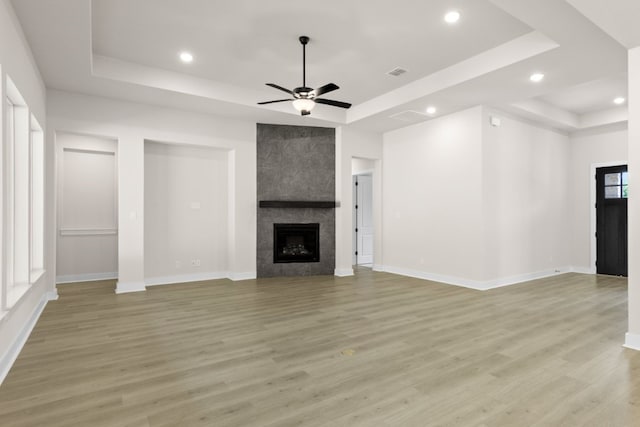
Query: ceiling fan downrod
[[304, 40]]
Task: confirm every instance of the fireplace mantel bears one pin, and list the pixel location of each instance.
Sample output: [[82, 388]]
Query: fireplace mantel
[[283, 204]]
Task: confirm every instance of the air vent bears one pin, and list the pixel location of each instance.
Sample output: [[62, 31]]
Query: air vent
[[397, 72], [409, 116]]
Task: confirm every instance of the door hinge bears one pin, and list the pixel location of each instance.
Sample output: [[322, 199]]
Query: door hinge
[[356, 252], [356, 206], [356, 183], [356, 230]]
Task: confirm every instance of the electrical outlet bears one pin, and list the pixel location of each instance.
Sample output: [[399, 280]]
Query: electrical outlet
[[197, 263], [193, 263]]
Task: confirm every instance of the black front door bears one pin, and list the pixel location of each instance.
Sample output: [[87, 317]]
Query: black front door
[[611, 220]]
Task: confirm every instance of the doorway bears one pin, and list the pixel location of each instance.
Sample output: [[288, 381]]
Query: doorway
[[363, 224], [611, 220]]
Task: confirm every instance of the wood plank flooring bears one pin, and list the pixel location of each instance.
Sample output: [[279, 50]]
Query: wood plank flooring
[[371, 350]]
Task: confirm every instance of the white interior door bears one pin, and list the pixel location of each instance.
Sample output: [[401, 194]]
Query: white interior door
[[363, 191]]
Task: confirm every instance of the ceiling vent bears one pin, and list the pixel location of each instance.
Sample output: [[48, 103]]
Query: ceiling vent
[[409, 116], [397, 72]]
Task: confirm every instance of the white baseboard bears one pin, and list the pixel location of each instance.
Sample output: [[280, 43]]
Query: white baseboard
[[449, 280], [125, 288], [343, 272], [9, 357], [632, 341], [583, 270], [184, 278], [377, 267], [52, 295], [249, 275], [514, 280], [90, 277], [473, 284]]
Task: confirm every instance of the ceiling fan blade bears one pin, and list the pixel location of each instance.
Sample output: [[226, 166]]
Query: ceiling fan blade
[[275, 86], [324, 89], [305, 113], [271, 102], [333, 103]]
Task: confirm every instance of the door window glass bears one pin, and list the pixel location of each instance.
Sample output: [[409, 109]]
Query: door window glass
[[616, 185]]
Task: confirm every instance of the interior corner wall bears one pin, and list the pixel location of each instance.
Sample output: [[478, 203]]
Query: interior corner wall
[[185, 228], [432, 186], [527, 200], [603, 146], [17, 62], [131, 124], [353, 143]]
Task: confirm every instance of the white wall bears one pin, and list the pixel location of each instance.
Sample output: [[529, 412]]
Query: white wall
[[186, 192], [16, 61], [632, 338], [432, 186], [588, 149], [131, 124], [353, 143], [475, 205], [87, 240], [527, 199], [362, 166]]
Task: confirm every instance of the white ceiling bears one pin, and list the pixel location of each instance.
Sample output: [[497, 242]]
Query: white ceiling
[[590, 97], [129, 49], [619, 18]]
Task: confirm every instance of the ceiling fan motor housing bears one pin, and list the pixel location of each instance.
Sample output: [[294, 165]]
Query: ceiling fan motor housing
[[303, 92]]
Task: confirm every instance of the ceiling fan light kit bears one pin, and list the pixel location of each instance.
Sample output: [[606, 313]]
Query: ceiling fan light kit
[[305, 98]]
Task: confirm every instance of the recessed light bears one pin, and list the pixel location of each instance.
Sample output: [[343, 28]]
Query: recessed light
[[186, 57], [452, 17], [619, 100], [431, 110], [536, 77]]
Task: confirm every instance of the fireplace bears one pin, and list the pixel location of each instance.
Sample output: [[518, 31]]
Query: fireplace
[[296, 243]]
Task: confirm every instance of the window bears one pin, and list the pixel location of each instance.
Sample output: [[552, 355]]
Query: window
[[37, 200], [23, 201], [616, 185]]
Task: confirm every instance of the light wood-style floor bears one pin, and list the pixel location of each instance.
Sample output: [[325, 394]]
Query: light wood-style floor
[[371, 350]]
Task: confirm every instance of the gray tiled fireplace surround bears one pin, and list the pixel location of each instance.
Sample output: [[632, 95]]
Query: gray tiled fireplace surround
[[295, 163]]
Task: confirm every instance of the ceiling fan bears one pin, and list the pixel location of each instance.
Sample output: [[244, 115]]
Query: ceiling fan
[[305, 98]]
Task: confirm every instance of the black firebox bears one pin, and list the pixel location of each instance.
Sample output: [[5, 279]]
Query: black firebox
[[296, 243]]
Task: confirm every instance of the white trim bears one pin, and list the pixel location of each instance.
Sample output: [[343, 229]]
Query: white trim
[[88, 231], [514, 280], [592, 209], [343, 272], [632, 341], [9, 357], [249, 275], [15, 293], [449, 280], [377, 267], [184, 278], [52, 295], [89, 277], [125, 288], [583, 270], [36, 275], [473, 284]]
